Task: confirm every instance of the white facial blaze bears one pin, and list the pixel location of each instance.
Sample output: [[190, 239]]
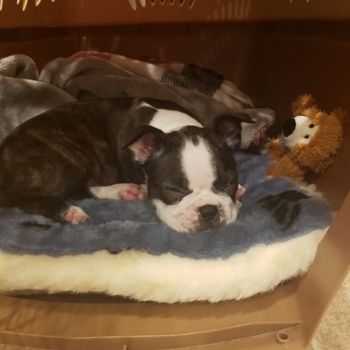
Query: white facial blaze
[[197, 165]]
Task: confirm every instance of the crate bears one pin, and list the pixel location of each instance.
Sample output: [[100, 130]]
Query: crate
[[274, 50]]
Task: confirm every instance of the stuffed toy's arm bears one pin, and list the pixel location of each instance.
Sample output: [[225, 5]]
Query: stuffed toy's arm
[[275, 150], [286, 167]]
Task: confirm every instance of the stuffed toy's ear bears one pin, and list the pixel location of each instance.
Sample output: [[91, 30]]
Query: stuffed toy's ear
[[145, 142], [302, 103], [227, 128]]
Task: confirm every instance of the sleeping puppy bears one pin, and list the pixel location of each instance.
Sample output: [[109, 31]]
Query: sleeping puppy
[[122, 149]]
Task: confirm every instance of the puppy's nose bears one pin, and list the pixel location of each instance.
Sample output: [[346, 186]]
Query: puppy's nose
[[209, 212], [289, 127]]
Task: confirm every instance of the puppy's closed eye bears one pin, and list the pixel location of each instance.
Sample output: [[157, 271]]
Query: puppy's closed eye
[[228, 186], [175, 193]]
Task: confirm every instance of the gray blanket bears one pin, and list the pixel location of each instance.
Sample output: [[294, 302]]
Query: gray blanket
[[118, 226], [24, 93], [92, 77], [22, 96]]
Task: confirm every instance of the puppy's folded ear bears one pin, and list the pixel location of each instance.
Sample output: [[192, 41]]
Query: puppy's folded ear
[[145, 142], [227, 128]]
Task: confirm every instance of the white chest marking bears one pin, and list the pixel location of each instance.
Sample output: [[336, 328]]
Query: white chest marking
[[168, 120], [197, 165]]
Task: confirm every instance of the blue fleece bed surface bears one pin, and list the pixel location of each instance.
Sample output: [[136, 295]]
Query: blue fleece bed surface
[[273, 210]]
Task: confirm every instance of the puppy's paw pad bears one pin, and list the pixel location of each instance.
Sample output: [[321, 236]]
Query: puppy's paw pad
[[75, 215]]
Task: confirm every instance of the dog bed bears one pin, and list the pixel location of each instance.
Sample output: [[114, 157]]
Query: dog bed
[[124, 250]]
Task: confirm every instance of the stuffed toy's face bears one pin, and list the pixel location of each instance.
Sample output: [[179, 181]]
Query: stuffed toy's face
[[309, 141], [299, 130]]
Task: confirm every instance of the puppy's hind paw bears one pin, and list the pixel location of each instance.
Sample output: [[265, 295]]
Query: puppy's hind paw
[[75, 215]]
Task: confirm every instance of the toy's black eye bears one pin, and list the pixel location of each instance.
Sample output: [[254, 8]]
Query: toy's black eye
[[311, 126], [307, 136]]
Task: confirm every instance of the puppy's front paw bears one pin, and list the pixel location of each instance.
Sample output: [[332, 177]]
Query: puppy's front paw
[[75, 215], [133, 191], [127, 192]]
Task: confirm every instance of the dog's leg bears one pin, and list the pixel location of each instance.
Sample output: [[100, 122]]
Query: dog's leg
[[53, 208], [44, 187], [123, 191]]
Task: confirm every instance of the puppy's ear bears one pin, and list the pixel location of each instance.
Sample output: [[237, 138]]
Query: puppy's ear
[[144, 143], [227, 128]]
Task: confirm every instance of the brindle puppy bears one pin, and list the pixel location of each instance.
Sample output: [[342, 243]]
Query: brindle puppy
[[111, 148]]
